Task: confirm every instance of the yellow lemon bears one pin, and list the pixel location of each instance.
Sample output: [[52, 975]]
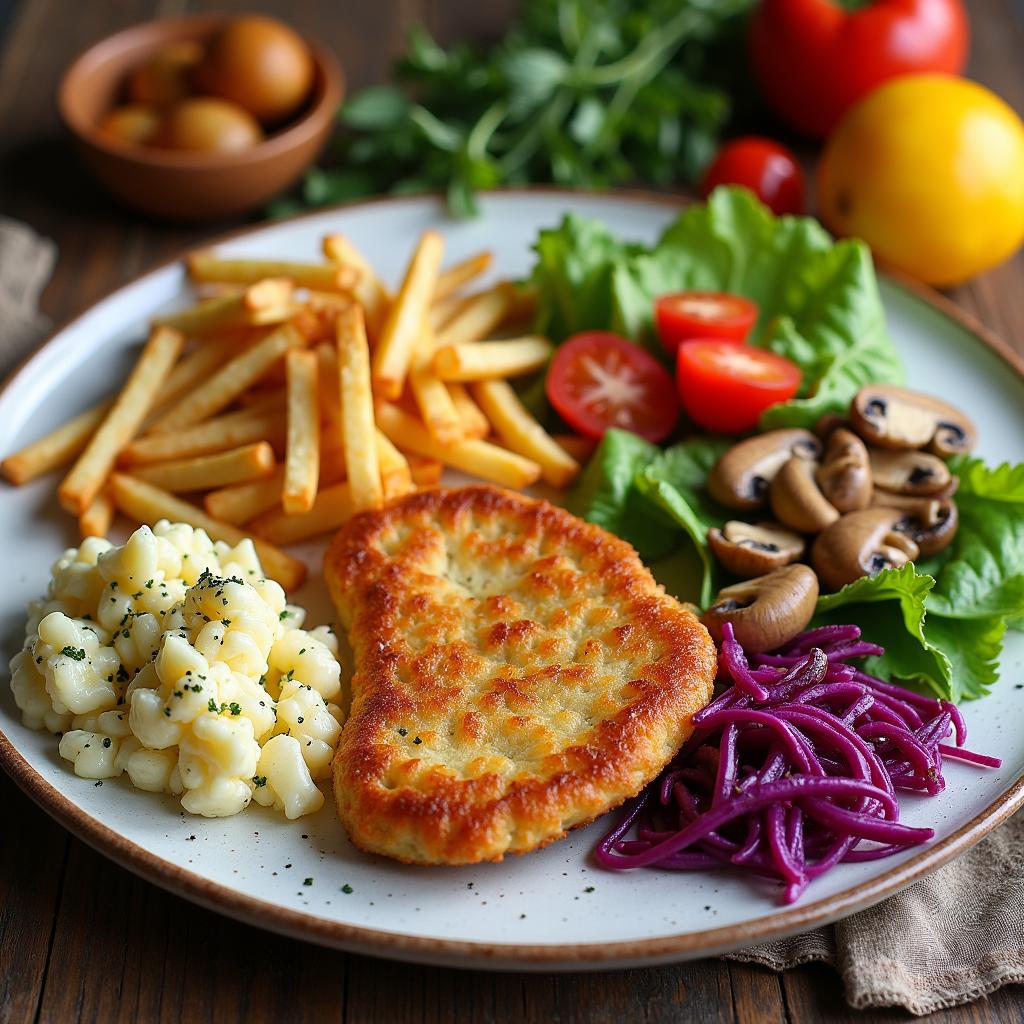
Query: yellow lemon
[[929, 171]]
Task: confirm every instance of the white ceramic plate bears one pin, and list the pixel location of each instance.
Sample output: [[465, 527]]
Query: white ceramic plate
[[551, 909]]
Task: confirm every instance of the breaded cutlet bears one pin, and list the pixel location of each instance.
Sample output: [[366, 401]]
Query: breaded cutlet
[[518, 672]]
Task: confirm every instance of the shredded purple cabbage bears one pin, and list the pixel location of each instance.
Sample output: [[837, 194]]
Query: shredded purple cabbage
[[793, 768]]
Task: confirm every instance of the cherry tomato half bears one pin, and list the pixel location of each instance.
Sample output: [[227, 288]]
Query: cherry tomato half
[[725, 387], [685, 315], [769, 170], [598, 380]]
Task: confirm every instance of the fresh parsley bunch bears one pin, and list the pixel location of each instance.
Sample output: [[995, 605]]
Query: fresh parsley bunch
[[589, 93]]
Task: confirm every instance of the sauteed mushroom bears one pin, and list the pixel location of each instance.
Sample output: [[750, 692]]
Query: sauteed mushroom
[[741, 476], [796, 499], [925, 509], [931, 525], [767, 611], [845, 472], [893, 417], [752, 549], [861, 544], [908, 472]]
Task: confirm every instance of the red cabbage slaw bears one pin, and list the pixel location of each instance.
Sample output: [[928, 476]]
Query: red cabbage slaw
[[794, 768]]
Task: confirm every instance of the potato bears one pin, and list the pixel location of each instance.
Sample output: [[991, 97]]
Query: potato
[[259, 63], [134, 124], [208, 125]]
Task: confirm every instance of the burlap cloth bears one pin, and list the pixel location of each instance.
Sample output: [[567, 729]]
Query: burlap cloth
[[955, 936]]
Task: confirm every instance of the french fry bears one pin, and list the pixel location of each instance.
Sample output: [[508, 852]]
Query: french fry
[[395, 475], [96, 519], [579, 447], [477, 457], [329, 381], [241, 502], [192, 369], [476, 318], [144, 503], [229, 382], [201, 472], [369, 291], [441, 313], [453, 278], [436, 408], [425, 472], [302, 453], [332, 508], [55, 448], [358, 430], [216, 435], [486, 360], [522, 433], [325, 277], [124, 418], [402, 327], [474, 422], [245, 308]]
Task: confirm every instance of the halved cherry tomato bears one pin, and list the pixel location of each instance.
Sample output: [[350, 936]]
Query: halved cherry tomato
[[598, 380], [769, 170], [725, 387], [685, 315]]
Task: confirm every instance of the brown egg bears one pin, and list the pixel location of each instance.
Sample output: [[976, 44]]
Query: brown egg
[[259, 63], [167, 77], [135, 124], [208, 125]]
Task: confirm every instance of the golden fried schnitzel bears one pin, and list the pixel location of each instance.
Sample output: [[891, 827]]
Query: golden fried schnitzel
[[518, 672]]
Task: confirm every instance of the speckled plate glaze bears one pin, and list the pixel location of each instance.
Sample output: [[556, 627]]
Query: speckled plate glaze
[[548, 910]]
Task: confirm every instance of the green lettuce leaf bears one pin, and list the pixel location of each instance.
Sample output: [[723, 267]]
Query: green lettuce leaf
[[818, 299], [910, 654], [981, 574], [573, 274], [606, 494], [675, 481]]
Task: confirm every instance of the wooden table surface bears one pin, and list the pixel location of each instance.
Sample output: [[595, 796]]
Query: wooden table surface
[[80, 938]]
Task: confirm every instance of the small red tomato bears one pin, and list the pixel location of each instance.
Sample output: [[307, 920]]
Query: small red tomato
[[598, 380], [769, 170], [725, 387], [685, 315]]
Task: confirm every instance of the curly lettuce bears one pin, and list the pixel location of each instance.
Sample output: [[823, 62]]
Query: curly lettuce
[[818, 299]]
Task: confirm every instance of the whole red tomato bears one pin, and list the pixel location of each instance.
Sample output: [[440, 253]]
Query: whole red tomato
[[769, 170], [813, 59]]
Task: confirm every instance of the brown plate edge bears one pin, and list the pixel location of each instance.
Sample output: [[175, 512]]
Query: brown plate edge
[[512, 956]]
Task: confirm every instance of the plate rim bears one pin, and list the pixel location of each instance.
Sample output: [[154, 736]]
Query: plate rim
[[311, 927]]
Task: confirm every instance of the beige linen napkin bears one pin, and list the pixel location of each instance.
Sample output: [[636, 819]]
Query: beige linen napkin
[[26, 261], [953, 936], [950, 938]]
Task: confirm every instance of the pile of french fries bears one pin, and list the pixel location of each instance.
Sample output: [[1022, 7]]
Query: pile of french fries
[[294, 395]]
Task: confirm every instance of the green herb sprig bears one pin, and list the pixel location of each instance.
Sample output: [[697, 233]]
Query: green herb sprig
[[588, 93]]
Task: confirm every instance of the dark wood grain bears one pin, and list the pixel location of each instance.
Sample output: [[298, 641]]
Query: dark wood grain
[[80, 938]]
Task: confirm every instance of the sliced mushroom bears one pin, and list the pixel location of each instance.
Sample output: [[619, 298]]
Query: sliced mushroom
[[797, 500], [767, 611], [845, 472], [931, 522], [829, 422], [925, 509], [893, 417], [861, 544], [741, 476], [908, 472], [752, 549]]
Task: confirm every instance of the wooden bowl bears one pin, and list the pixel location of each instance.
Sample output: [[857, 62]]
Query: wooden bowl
[[188, 186]]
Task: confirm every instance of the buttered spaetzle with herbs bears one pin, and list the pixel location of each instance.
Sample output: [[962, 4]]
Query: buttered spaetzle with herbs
[[174, 659]]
